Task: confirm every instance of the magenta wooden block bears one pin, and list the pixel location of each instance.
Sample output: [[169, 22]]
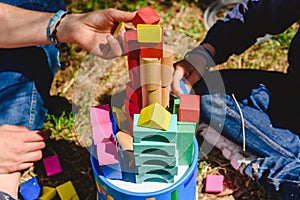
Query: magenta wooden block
[[107, 153], [214, 183], [189, 108], [146, 15], [99, 114], [52, 165], [102, 132]]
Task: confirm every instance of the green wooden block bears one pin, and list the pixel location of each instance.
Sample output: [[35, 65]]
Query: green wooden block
[[174, 195], [185, 142], [176, 106], [144, 169], [149, 134], [148, 159], [158, 148], [162, 178]]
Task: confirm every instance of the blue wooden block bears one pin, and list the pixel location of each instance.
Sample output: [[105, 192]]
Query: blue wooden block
[[113, 119], [112, 171], [183, 88], [30, 190], [149, 134]]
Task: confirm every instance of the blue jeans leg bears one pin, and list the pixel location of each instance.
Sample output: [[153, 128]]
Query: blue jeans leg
[[270, 143]]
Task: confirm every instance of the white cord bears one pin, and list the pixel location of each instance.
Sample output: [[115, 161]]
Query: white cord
[[243, 122]]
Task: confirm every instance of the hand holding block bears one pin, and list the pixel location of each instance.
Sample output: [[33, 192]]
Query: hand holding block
[[214, 183], [148, 33], [52, 165], [146, 15], [154, 116]]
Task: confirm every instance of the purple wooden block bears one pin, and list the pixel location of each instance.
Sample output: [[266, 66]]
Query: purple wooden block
[[52, 165], [107, 153], [214, 183]]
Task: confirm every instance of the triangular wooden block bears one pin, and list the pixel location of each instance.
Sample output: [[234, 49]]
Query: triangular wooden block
[[154, 116]]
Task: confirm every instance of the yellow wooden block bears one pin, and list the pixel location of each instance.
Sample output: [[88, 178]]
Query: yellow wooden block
[[120, 26], [149, 33], [48, 193], [66, 191], [154, 116]]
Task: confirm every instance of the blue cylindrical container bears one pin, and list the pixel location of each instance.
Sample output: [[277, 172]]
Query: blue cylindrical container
[[183, 189]]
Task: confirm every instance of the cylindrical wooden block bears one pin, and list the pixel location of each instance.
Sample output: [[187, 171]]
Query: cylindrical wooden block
[[150, 73], [165, 97], [155, 96], [167, 68]]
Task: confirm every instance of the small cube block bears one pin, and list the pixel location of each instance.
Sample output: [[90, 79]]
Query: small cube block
[[30, 189], [48, 193], [154, 116], [52, 165], [149, 33], [66, 191], [214, 183], [146, 15], [107, 153], [189, 108]]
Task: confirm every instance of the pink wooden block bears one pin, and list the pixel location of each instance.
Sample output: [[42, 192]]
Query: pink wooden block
[[189, 108], [146, 15], [52, 165], [99, 114], [102, 132], [107, 153], [214, 183]]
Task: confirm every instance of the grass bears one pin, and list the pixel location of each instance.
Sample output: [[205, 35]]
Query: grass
[[269, 55]]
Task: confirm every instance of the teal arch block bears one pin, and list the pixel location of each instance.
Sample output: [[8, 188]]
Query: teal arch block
[[158, 148]]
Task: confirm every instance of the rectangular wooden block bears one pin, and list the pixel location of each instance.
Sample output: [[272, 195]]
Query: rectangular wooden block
[[99, 114], [30, 189], [158, 148], [214, 183], [185, 142], [52, 165], [107, 153], [149, 33], [163, 178], [102, 132], [148, 168], [161, 160], [66, 191], [125, 140], [189, 108], [165, 97], [146, 15], [150, 134], [134, 94], [151, 50], [131, 108]]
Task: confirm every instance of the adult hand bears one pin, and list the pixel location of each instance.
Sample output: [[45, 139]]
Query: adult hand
[[20, 148], [93, 31]]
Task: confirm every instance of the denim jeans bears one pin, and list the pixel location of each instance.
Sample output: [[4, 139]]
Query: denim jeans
[[278, 166], [26, 75]]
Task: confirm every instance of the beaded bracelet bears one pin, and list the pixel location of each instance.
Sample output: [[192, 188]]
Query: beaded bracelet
[[55, 19]]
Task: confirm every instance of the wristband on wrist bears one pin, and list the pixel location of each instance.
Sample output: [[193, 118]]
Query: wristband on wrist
[[205, 53], [55, 20]]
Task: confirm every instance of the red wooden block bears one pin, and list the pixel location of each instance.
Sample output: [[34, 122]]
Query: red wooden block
[[146, 15], [214, 183], [134, 76], [134, 94], [151, 50], [107, 153], [131, 108], [189, 108], [130, 41]]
